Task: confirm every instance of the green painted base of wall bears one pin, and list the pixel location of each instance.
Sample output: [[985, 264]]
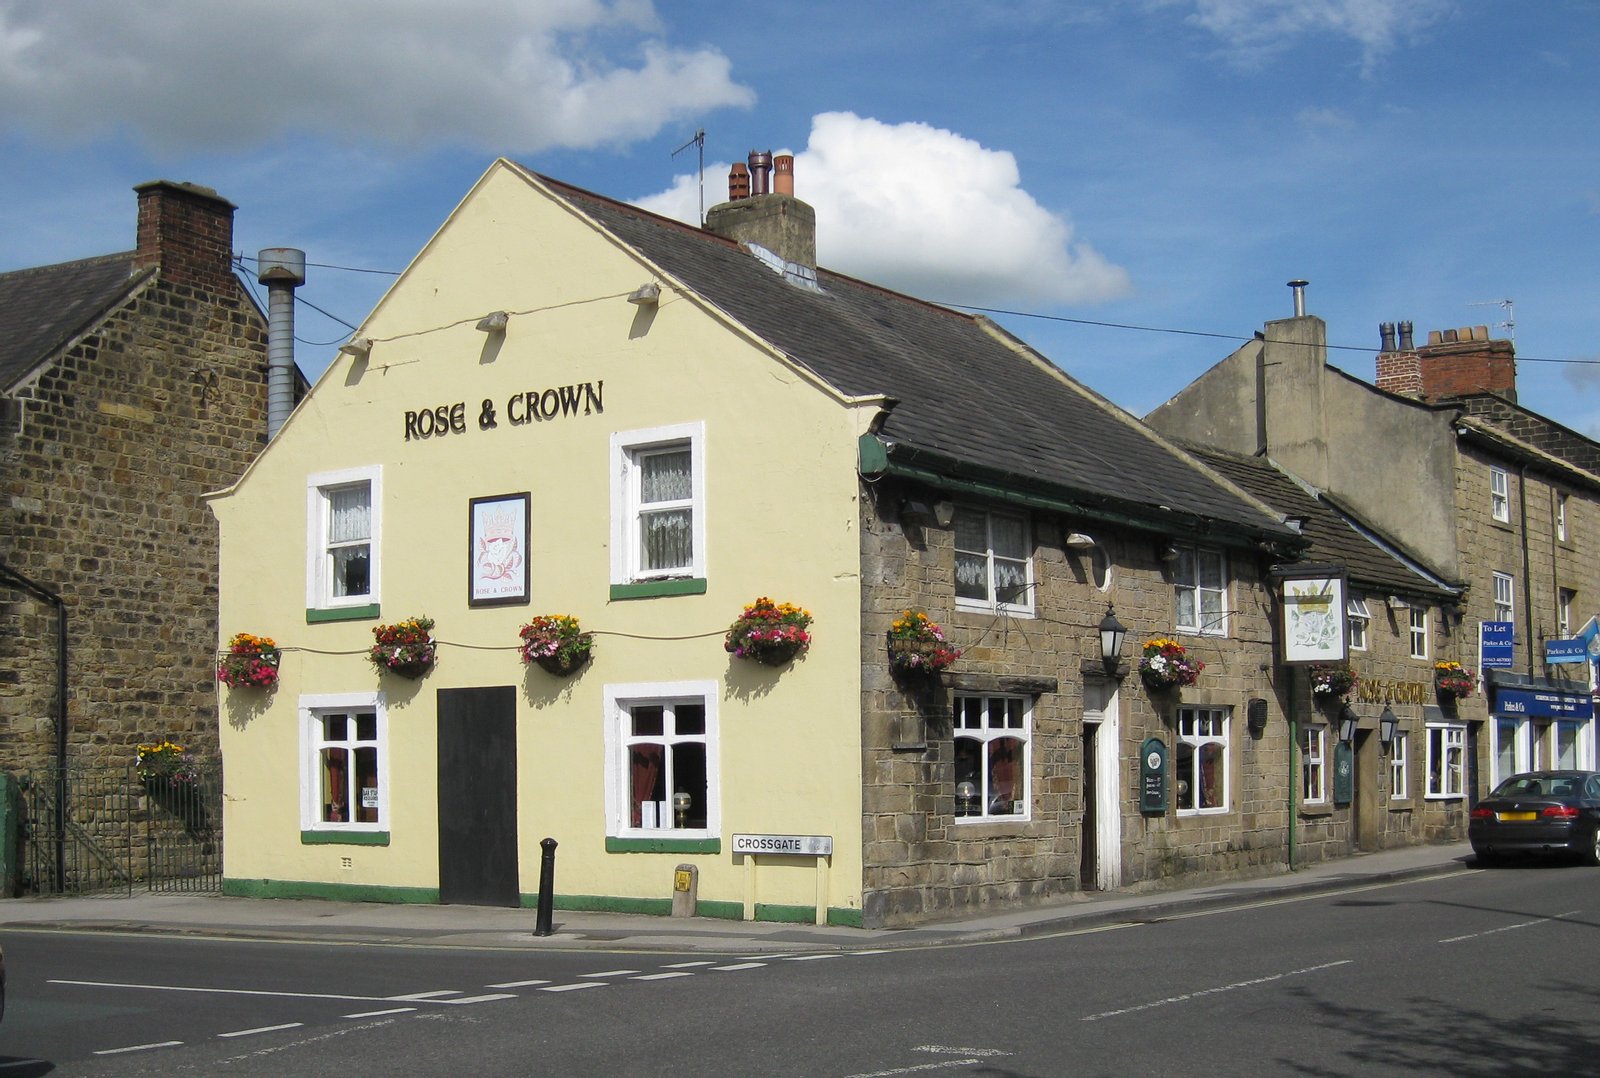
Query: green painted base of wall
[[343, 613], [336, 892], [663, 845], [653, 907]]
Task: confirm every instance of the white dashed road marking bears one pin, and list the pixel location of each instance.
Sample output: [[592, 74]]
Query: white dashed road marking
[[613, 973], [661, 976], [420, 996], [574, 987], [381, 1014], [517, 984], [738, 966], [685, 965], [261, 1029], [137, 1048], [1213, 991]]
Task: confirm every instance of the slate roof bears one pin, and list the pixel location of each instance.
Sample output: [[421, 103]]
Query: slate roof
[[1375, 565], [964, 394], [43, 308]]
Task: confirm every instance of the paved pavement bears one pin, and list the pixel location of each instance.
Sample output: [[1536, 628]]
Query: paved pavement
[[494, 927]]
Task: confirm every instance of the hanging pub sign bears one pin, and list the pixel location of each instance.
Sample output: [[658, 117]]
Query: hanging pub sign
[[1313, 613]]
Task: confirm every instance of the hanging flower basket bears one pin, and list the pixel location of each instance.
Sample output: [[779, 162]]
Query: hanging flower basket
[[166, 763], [769, 633], [1167, 665], [1331, 681], [1452, 681], [917, 647], [250, 662], [556, 643], [406, 648]]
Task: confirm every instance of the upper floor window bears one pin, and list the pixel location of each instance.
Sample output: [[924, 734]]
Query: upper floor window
[[992, 743], [1202, 591], [1504, 591], [343, 511], [1499, 495], [1200, 760], [994, 563], [1359, 618], [1419, 632], [658, 519], [1565, 598], [1561, 518]]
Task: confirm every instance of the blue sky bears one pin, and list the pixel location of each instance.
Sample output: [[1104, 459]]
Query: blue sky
[[1156, 163]]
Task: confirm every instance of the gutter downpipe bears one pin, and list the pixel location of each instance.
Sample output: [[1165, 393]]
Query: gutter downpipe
[[9, 575], [1527, 566], [1294, 749]]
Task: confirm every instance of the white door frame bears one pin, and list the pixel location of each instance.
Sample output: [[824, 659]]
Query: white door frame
[[1107, 781]]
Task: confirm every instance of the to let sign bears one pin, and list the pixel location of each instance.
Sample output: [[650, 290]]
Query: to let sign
[[793, 845], [1495, 639]]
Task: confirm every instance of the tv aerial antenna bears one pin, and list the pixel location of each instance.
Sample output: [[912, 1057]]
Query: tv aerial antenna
[[699, 140], [1510, 323]]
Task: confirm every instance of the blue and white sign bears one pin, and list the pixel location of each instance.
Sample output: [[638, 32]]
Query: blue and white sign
[[1543, 705], [1495, 639], [1557, 652]]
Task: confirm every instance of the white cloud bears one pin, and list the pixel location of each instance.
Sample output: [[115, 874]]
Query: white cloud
[[928, 212], [1252, 30], [507, 76], [1325, 119]]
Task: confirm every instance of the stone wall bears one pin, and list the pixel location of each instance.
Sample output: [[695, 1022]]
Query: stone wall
[[102, 481], [920, 861]]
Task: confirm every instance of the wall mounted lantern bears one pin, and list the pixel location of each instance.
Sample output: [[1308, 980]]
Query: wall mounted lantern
[[1112, 634], [1388, 726], [1348, 721], [494, 322]]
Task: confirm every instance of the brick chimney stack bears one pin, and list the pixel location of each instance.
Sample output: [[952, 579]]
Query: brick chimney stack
[[762, 210], [1454, 363], [186, 232]]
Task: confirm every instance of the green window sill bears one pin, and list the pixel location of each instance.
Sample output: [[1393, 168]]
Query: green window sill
[[344, 838], [663, 845], [652, 589], [341, 613]]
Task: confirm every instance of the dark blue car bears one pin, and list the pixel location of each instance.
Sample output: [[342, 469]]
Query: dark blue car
[[1540, 812]]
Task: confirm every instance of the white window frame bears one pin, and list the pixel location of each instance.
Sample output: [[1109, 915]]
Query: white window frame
[[1360, 620], [626, 446], [1505, 597], [992, 602], [313, 708], [1500, 495], [1190, 720], [319, 559], [1444, 782], [617, 699], [986, 734], [1565, 598], [1314, 765], [1190, 557], [1418, 629], [1399, 767], [1562, 535]]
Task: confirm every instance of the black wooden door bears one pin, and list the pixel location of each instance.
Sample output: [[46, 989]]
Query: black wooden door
[[478, 796]]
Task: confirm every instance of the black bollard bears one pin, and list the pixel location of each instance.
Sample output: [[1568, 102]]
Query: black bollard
[[547, 887]]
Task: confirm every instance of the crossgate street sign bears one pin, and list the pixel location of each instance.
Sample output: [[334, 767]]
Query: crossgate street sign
[[794, 845]]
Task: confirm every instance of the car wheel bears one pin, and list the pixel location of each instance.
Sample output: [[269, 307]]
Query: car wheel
[[1591, 855]]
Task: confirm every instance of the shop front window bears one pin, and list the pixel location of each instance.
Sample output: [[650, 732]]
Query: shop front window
[[1200, 761], [992, 736]]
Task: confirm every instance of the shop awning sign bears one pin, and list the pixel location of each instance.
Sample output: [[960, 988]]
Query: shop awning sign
[[1543, 705]]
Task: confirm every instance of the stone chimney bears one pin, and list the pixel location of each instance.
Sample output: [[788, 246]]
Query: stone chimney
[[1454, 363], [775, 220], [186, 232]]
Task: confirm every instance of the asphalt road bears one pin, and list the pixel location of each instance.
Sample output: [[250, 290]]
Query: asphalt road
[[1483, 973]]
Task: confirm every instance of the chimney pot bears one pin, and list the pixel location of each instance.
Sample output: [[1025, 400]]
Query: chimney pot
[[1386, 336], [1407, 342], [760, 170], [783, 174], [1299, 290], [738, 182]]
